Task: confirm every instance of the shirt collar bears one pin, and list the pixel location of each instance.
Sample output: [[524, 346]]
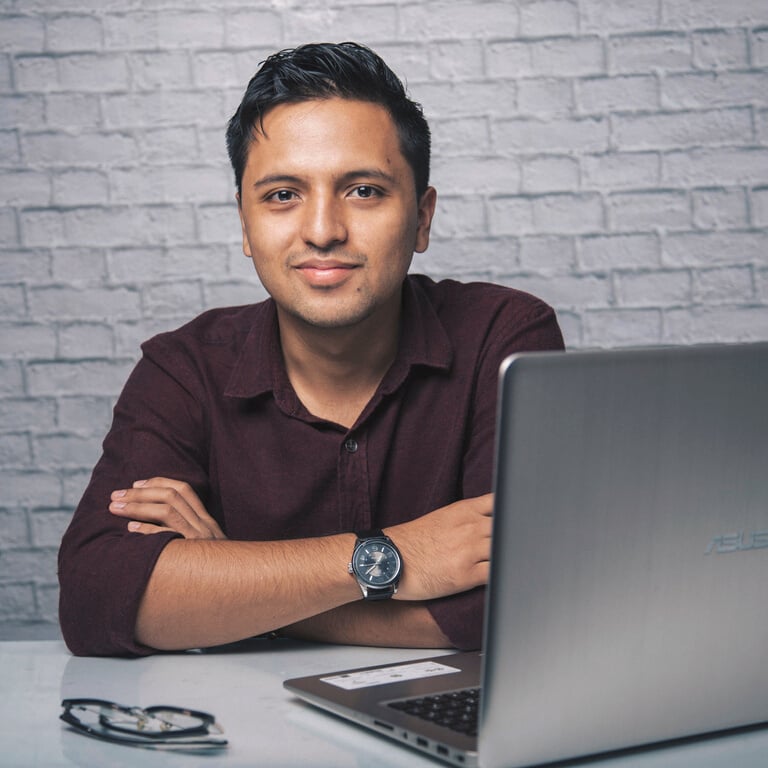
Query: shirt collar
[[423, 342]]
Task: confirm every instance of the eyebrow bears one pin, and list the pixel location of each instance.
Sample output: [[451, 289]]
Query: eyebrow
[[359, 173]]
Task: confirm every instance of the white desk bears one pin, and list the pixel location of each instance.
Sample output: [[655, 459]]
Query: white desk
[[265, 725]]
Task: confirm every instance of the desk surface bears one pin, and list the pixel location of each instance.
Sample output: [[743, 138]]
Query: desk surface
[[265, 725]]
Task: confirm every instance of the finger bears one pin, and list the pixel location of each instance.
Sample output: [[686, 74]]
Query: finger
[[190, 498], [147, 529]]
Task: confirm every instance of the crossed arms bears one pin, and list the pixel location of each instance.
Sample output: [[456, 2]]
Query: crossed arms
[[206, 590]]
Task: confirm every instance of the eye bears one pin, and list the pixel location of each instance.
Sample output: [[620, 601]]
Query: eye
[[282, 196], [365, 191]]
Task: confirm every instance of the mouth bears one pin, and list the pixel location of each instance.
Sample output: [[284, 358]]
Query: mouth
[[325, 272]]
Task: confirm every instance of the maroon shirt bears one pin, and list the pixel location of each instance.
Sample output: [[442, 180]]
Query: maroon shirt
[[211, 404]]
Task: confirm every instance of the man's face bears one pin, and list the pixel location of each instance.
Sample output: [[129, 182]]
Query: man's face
[[329, 211]]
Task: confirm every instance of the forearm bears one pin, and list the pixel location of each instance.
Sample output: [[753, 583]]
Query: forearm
[[390, 623], [204, 592]]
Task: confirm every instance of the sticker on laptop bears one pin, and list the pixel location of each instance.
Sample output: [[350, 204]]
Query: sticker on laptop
[[365, 678]]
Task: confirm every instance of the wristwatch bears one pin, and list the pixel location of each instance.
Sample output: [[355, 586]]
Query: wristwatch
[[376, 564]]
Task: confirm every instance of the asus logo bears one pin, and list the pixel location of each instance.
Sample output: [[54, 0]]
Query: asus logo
[[738, 542]]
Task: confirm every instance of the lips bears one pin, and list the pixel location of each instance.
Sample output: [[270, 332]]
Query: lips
[[325, 272]]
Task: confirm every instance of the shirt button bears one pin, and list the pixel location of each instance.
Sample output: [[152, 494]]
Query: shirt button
[[351, 445]]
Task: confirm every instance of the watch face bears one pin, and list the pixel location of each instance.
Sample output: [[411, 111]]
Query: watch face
[[376, 563]]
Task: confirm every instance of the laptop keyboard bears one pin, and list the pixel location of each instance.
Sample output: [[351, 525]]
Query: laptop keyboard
[[456, 710]]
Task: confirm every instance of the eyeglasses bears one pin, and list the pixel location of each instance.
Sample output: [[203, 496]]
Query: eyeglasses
[[159, 727]]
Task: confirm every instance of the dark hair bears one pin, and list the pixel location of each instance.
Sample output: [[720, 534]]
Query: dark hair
[[322, 71]]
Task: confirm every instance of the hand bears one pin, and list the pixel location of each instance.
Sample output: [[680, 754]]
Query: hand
[[446, 551], [162, 504]]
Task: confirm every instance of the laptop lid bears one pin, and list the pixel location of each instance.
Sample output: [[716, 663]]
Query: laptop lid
[[630, 551]]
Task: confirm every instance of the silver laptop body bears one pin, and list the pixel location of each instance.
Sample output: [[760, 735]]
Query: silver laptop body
[[627, 600]]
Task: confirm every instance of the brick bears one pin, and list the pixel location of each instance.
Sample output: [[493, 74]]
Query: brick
[[621, 170], [26, 188], [48, 526], [21, 111], [178, 299], [11, 381], [374, 24], [232, 293], [554, 57], [15, 451], [14, 531], [72, 110], [218, 224], [30, 488], [450, 100], [6, 76], [16, 600], [151, 70], [9, 229], [564, 291], [410, 62], [759, 203], [648, 211], [25, 340], [460, 257], [73, 33], [35, 565], [130, 31], [162, 146], [718, 324], [47, 602], [720, 208], [190, 30], [87, 415], [93, 72], [611, 94], [460, 19], [618, 15], [87, 377], [711, 13], [545, 254], [88, 148], [714, 89], [724, 285], [676, 129], [25, 265], [715, 248], [545, 97], [761, 284], [510, 216], [80, 188], [551, 173], [759, 47], [457, 60], [622, 328], [132, 265], [36, 73], [130, 335], [476, 175], [720, 49], [21, 34], [462, 136], [250, 28], [171, 184], [715, 166], [73, 486], [153, 109], [654, 289], [80, 340], [571, 135], [13, 304], [18, 413], [567, 213], [543, 18], [71, 264], [66, 450], [10, 153], [459, 217], [601, 252], [65, 301], [631, 54]]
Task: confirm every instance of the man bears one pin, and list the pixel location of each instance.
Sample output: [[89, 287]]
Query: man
[[254, 450]]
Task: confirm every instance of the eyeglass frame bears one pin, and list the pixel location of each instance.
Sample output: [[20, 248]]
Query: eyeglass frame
[[182, 737]]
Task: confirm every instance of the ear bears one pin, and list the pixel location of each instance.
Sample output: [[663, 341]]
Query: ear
[[246, 244], [426, 212]]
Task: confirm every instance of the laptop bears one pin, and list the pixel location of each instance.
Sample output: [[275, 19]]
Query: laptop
[[627, 597]]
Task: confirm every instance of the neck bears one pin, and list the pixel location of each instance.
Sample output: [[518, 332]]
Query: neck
[[336, 371]]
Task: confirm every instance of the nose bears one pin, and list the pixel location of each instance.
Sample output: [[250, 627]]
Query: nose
[[323, 224]]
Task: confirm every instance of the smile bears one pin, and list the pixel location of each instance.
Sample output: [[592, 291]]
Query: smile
[[325, 273]]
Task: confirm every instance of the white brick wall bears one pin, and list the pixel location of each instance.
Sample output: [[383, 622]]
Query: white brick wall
[[608, 155]]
